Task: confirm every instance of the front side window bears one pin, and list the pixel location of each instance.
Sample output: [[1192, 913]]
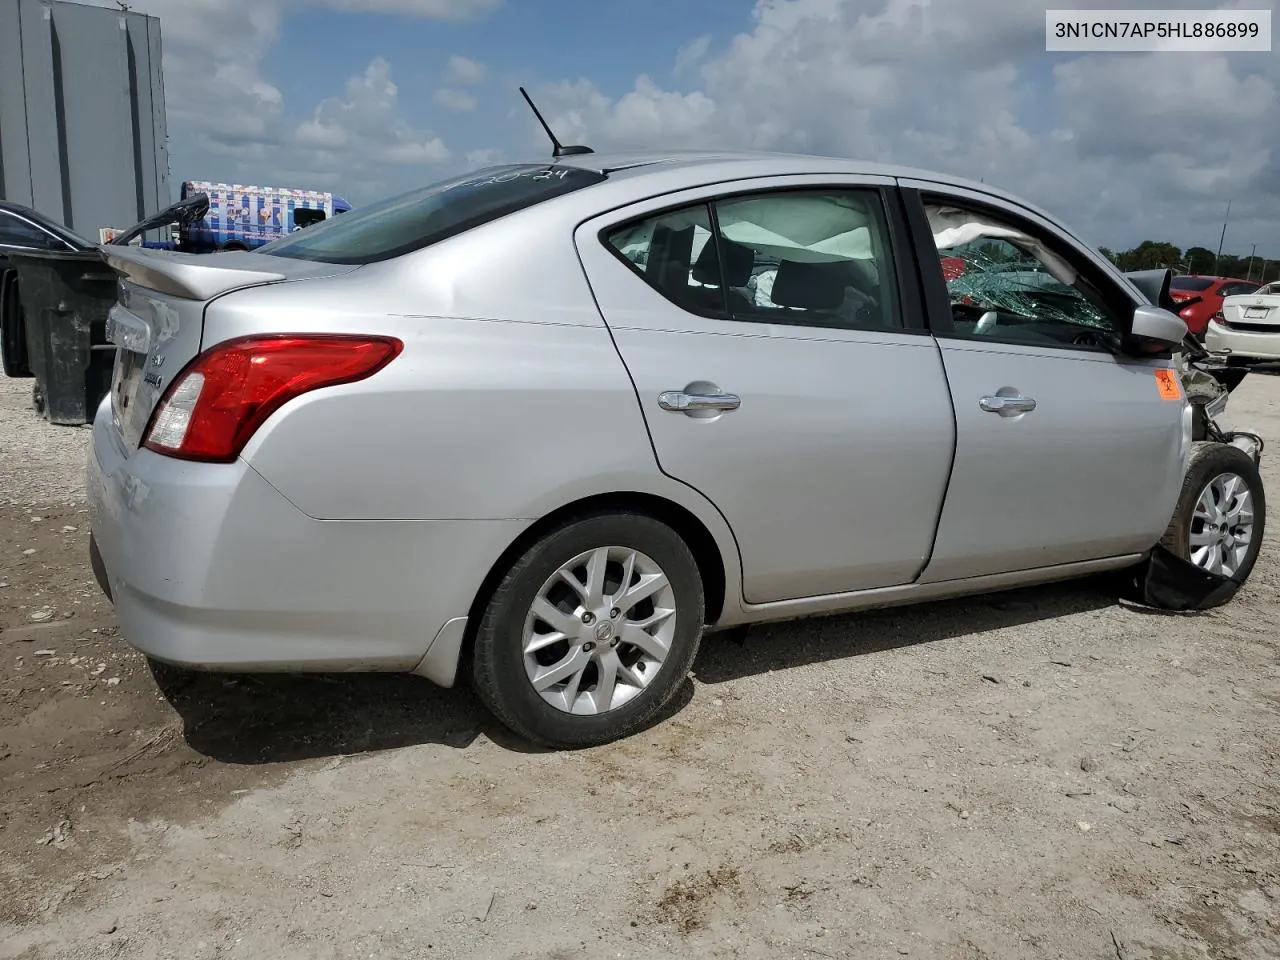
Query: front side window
[[1007, 284], [419, 218], [799, 257]]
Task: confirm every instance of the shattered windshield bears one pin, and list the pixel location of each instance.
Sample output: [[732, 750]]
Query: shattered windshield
[[1005, 283]]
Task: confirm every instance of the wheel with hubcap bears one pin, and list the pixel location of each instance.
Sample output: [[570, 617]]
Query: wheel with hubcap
[[1220, 518], [591, 632]]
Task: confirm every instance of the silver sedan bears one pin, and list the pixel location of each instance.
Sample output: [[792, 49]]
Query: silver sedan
[[546, 423]]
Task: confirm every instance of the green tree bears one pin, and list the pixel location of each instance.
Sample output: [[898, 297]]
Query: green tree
[[1150, 255], [1199, 260]]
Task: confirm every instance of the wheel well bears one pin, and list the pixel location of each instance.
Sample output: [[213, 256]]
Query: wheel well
[[235, 245], [698, 538]]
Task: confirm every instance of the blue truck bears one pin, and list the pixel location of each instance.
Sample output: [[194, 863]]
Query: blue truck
[[244, 217]]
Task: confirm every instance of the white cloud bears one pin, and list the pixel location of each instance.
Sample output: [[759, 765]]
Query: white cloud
[[483, 157], [366, 122], [1121, 146], [452, 99], [427, 9], [461, 70], [692, 53], [228, 121]]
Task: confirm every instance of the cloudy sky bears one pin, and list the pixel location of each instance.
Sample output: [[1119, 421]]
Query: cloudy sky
[[370, 97]]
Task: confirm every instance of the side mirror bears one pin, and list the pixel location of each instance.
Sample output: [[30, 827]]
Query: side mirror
[[1155, 330]]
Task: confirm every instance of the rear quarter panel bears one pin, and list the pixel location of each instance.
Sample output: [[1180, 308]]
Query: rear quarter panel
[[509, 400]]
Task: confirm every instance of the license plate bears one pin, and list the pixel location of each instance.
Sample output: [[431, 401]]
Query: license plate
[[124, 383], [1255, 313]]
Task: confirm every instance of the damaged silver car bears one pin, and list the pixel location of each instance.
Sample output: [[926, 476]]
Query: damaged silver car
[[543, 425]]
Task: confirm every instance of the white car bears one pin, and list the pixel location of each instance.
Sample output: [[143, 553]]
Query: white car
[[1248, 327]]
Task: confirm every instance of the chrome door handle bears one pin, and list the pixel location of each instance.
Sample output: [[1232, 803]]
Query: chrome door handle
[[681, 402], [1007, 406]]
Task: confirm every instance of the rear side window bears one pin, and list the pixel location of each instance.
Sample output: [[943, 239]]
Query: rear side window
[[422, 217], [817, 258], [1192, 284]]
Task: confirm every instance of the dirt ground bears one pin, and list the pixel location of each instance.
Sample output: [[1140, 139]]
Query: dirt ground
[[1046, 773]]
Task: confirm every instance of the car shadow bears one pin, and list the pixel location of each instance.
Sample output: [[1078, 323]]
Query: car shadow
[[274, 718], [278, 718], [783, 646]]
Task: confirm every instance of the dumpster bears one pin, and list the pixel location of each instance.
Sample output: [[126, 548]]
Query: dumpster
[[54, 305], [65, 296]]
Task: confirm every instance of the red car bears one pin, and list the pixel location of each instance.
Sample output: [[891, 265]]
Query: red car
[[1202, 297]]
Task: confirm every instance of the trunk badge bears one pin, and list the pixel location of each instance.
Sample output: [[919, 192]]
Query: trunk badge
[[158, 360]]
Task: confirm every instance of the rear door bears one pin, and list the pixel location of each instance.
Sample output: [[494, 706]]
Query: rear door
[[783, 369], [1065, 451]]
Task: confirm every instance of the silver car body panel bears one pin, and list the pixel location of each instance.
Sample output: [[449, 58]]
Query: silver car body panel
[[1023, 490], [829, 485], [360, 521]]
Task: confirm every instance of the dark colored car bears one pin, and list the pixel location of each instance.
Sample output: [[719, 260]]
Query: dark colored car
[[23, 229], [1199, 298]]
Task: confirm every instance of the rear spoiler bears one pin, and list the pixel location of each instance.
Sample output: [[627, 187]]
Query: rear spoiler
[[187, 275]]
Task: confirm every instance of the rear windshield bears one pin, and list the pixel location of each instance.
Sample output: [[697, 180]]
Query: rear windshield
[[422, 217], [1191, 283]]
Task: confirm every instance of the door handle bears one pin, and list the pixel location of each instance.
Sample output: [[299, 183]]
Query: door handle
[[681, 402], [1007, 406]]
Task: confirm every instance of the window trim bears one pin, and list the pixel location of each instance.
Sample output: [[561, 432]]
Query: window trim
[[38, 228], [1054, 237], [897, 238]]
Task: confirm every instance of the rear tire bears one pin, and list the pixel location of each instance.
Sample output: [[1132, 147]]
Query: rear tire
[[606, 663]]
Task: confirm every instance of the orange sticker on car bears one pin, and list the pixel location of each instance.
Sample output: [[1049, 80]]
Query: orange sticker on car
[[1167, 383]]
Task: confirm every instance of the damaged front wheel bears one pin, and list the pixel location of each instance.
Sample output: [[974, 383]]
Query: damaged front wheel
[[1215, 534]]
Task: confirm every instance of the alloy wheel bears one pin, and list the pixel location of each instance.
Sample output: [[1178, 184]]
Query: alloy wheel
[[1222, 525], [599, 630]]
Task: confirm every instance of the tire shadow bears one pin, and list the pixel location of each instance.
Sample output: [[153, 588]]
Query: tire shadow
[[255, 719]]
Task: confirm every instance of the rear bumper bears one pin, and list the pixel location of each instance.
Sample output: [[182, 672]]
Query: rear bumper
[[1242, 344], [210, 567]]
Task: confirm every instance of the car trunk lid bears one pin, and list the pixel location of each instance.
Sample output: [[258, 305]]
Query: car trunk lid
[[1250, 311], [157, 323]]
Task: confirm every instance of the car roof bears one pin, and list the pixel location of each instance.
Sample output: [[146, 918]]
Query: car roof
[[712, 166]]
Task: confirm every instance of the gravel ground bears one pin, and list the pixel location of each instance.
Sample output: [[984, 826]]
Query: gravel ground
[[1044, 773], [39, 464]]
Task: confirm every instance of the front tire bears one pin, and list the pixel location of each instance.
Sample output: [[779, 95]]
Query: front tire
[[1221, 515], [1212, 541], [591, 632]]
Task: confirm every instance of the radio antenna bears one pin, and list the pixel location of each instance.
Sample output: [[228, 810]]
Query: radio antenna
[[557, 148]]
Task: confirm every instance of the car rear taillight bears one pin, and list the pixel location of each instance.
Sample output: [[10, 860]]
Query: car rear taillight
[[214, 406]]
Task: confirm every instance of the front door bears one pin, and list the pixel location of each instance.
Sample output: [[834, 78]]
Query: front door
[[785, 373], [1066, 451]]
